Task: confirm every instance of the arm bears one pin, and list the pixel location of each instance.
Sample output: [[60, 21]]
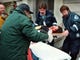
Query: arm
[[37, 19], [53, 19], [76, 23], [55, 22], [32, 33]]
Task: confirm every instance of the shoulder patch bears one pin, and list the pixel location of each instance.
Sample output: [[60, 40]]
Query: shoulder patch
[[76, 17]]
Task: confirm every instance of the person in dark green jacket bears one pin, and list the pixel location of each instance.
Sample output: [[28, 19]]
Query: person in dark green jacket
[[17, 33]]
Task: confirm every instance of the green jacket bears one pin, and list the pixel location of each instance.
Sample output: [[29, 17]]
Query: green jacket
[[16, 35]]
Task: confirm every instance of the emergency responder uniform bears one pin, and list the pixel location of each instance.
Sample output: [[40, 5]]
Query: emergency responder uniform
[[72, 42]]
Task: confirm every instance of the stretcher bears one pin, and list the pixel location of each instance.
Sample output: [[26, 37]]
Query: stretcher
[[46, 52]]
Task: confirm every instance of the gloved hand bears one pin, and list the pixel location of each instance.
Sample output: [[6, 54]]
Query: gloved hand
[[50, 38]]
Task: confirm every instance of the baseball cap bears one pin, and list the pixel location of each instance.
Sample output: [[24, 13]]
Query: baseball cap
[[25, 7]]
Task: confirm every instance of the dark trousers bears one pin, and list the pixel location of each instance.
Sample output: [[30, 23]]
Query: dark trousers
[[71, 46]]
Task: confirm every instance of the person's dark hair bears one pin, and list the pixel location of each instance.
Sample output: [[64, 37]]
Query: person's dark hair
[[43, 5], [64, 7]]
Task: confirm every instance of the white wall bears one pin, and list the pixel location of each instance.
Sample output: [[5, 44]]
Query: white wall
[[75, 7], [57, 14]]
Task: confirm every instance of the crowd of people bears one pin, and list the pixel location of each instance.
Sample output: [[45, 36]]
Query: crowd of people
[[18, 30]]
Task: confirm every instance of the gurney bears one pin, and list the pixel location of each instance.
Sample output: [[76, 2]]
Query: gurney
[[46, 52]]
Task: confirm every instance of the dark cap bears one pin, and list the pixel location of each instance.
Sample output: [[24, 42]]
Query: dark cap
[[25, 7]]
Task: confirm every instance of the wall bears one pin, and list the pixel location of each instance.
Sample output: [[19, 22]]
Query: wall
[[57, 14], [74, 7]]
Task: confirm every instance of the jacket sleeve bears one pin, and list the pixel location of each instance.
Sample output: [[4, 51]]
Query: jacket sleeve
[[37, 19], [53, 19], [76, 23], [30, 32]]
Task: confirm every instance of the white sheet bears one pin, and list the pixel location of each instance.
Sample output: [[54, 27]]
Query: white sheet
[[47, 52]]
